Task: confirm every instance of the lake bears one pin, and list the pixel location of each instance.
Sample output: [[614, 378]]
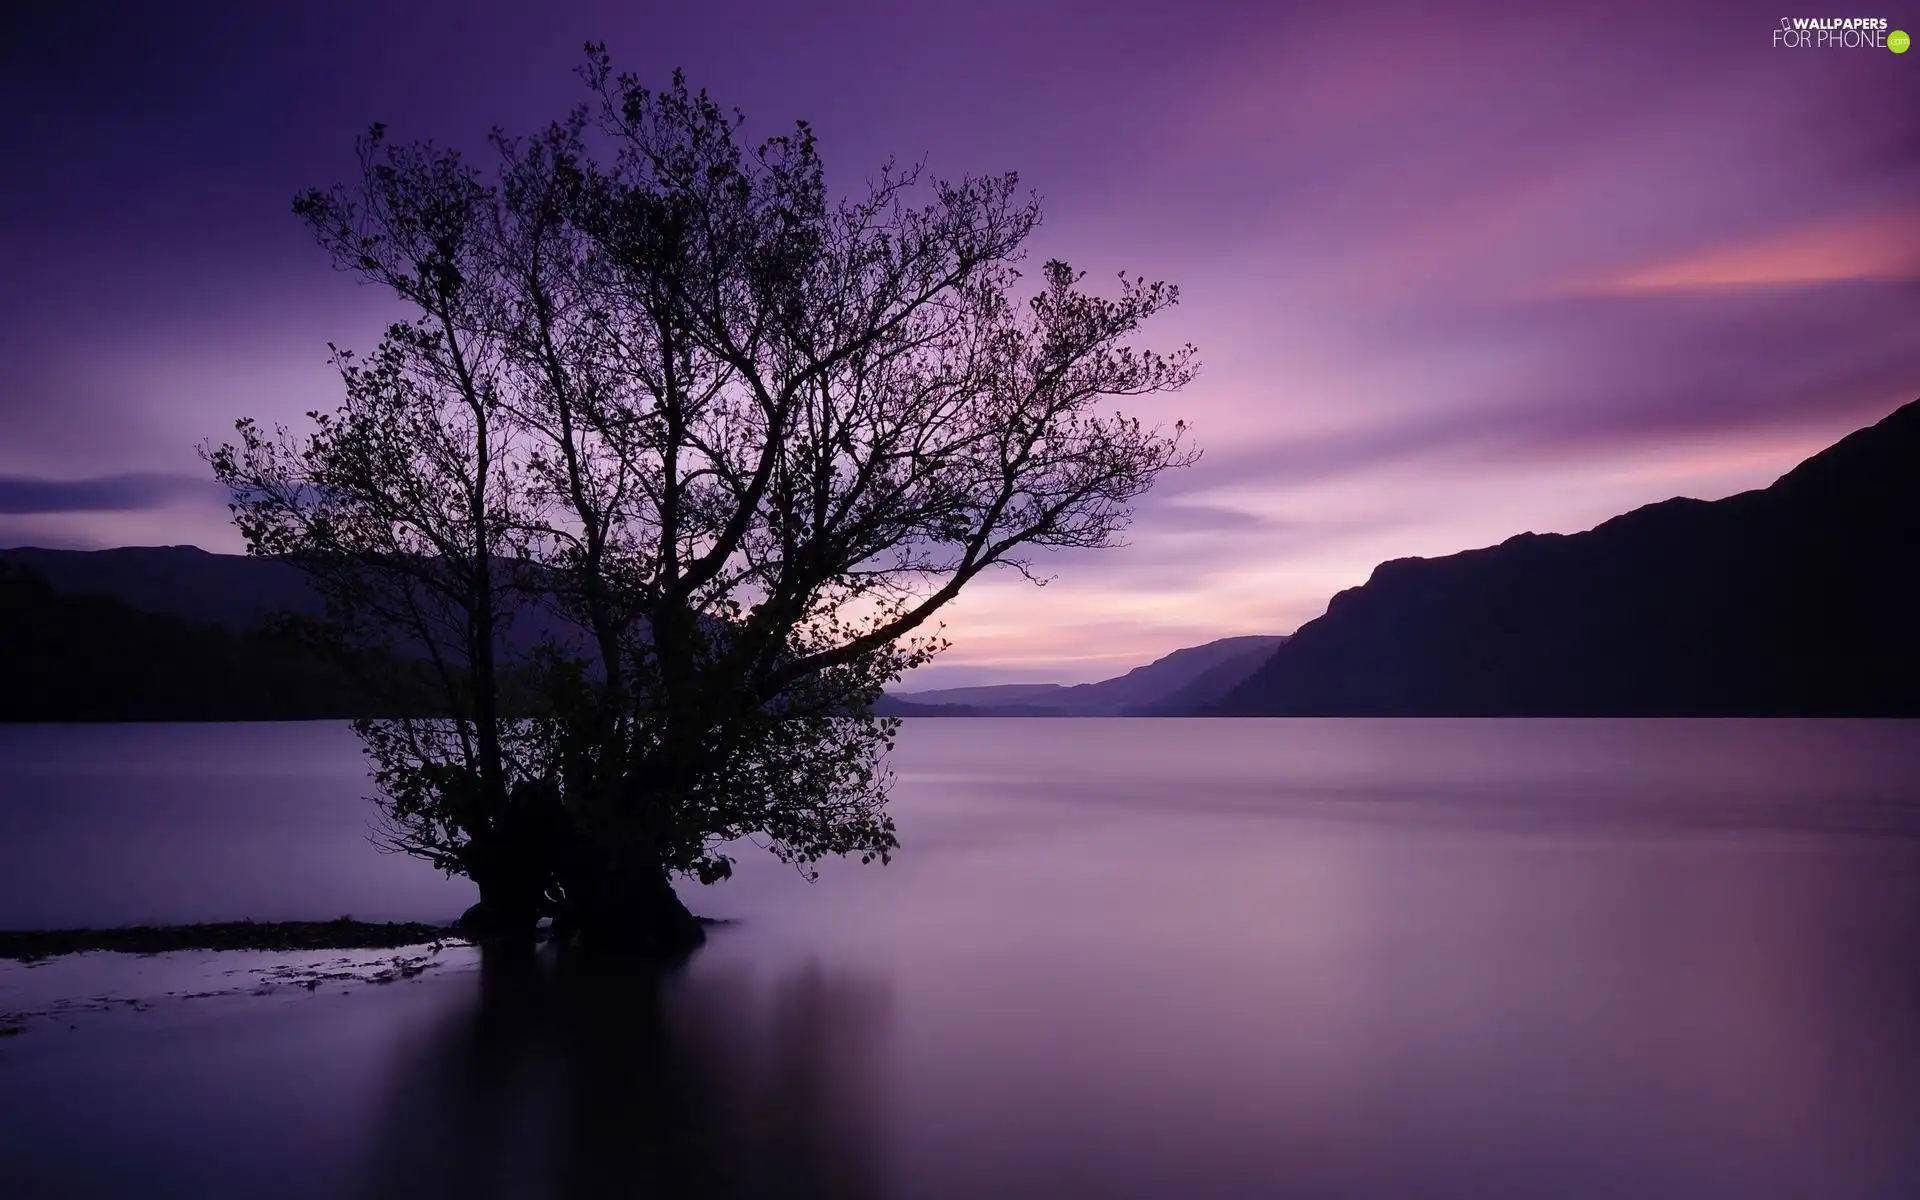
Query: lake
[[1127, 958]]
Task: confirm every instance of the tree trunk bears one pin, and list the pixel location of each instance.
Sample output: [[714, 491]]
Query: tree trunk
[[631, 908], [512, 896], [498, 917]]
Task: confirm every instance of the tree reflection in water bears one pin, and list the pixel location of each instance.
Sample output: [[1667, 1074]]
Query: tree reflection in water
[[574, 1078]]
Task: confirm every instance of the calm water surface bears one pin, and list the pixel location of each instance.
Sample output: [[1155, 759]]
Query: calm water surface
[[1116, 958]]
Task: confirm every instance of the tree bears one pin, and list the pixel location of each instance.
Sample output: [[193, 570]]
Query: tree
[[746, 440]]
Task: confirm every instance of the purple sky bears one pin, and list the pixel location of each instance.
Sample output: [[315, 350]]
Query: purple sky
[[1453, 277]]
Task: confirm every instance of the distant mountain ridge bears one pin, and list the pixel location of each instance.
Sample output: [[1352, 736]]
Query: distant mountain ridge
[[1802, 599], [236, 594], [94, 657], [1177, 683], [235, 591]]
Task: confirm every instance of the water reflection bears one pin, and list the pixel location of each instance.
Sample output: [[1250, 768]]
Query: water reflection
[[1121, 959], [576, 1079]]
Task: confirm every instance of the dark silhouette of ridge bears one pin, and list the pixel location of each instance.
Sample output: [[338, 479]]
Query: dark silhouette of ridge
[[1802, 598], [1177, 683], [183, 581], [178, 633], [236, 591], [1796, 599], [992, 695], [97, 658]]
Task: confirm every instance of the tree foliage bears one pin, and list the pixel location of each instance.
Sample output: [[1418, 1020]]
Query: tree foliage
[[747, 439]]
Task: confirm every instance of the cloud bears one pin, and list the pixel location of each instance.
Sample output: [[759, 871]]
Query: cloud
[[1189, 517], [1582, 376], [1884, 246], [27, 495]]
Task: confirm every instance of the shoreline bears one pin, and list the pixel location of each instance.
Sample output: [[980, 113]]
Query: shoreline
[[344, 933], [341, 933]]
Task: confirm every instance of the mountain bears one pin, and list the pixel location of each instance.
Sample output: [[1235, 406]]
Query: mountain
[[97, 658], [1036, 695], [215, 605], [236, 591], [1802, 598], [183, 581], [1183, 681]]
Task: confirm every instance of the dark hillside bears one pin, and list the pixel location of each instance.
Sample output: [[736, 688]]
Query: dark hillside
[[1797, 599]]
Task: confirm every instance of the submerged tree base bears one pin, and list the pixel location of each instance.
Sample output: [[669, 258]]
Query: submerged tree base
[[664, 931], [662, 936], [659, 928], [341, 934]]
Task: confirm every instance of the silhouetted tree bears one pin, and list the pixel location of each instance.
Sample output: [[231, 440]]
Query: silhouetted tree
[[401, 505], [748, 440]]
